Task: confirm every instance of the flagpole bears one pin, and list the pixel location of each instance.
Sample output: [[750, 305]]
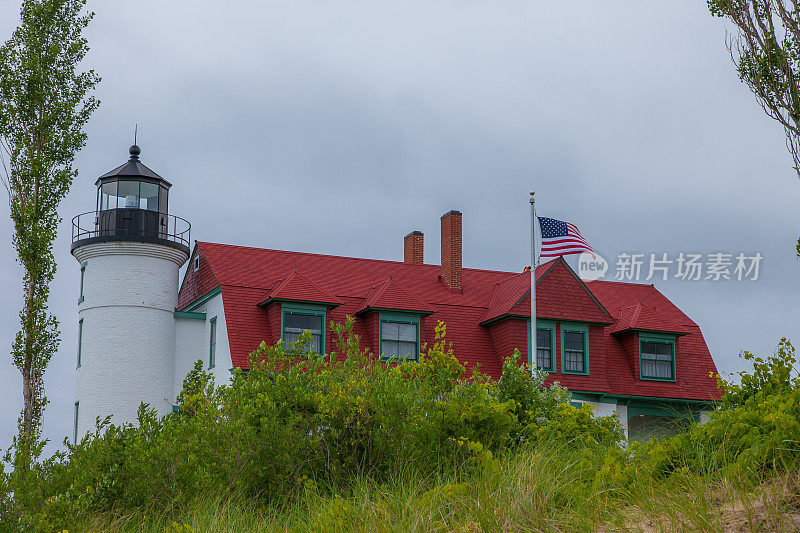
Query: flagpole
[[532, 352]]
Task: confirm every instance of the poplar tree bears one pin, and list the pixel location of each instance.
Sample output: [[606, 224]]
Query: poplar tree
[[45, 103], [765, 48]]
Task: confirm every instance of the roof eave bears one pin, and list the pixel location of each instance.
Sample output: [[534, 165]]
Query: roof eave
[[395, 310], [270, 301]]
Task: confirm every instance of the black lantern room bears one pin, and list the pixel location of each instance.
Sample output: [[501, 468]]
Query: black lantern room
[[132, 205]]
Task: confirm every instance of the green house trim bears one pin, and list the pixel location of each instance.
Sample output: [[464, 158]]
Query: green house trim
[[189, 315], [212, 344], [203, 299], [80, 342], [398, 318], [83, 276], [661, 339], [305, 309], [576, 328], [551, 326], [627, 399]]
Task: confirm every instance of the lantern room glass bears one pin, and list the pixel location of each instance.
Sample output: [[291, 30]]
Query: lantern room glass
[[132, 194]]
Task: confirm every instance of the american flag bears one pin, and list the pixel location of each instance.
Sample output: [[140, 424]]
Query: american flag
[[561, 238]]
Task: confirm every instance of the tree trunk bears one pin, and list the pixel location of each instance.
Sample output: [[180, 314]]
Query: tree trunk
[[28, 388]]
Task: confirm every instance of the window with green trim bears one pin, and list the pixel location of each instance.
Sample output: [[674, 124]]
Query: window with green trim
[[574, 349], [83, 276], [399, 337], [80, 341], [545, 342], [212, 344], [657, 358], [75, 424], [297, 320]]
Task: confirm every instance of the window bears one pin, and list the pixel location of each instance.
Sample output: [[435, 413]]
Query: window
[[545, 337], [212, 342], [128, 195], [574, 349], [75, 425], [83, 276], [657, 358], [80, 341], [297, 319], [399, 337], [196, 263]]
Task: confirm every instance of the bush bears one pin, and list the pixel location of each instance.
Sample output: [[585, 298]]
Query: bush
[[297, 421], [754, 432]]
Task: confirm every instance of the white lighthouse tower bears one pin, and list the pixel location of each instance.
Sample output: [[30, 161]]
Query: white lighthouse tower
[[130, 250]]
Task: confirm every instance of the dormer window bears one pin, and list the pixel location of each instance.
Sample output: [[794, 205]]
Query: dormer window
[[399, 336], [657, 357], [298, 319]]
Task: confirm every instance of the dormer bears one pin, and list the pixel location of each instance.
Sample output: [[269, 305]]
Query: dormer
[[295, 305], [394, 318], [649, 340]]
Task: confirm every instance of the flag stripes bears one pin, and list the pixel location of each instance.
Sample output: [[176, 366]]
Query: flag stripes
[[561, 238]]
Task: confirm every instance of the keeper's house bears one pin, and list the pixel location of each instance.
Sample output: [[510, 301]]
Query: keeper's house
[[622, 347]]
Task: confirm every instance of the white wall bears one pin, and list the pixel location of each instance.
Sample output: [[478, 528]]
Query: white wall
[[199, 347], [128, 342], [610, 409], [189, 347]]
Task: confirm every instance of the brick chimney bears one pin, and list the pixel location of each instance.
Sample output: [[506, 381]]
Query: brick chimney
[[451, 250], [412, 247]]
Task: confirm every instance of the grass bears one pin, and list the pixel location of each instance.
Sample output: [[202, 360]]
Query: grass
[[544, 489]]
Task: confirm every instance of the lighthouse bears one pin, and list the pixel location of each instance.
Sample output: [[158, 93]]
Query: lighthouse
[[130, 249]]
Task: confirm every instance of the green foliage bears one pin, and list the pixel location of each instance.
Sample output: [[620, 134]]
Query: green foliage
[[43, 110], [754, 432], [776, 374], [297, 423], [766, 51], [329, 442]]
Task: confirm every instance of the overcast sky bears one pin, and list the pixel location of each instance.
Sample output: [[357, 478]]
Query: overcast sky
[[338, 127]]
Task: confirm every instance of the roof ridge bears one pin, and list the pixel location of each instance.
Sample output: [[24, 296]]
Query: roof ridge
[[429, 265]]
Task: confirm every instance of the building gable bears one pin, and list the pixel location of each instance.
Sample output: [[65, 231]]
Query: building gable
[[561, 295], [198, 280]]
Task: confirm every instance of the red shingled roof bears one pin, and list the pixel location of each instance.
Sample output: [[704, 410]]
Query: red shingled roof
[[510, 292], [249, 276], [392, 295], [641, 317], [296, 287]]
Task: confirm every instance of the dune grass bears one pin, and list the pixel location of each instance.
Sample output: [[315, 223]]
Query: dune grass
[[543, 489]]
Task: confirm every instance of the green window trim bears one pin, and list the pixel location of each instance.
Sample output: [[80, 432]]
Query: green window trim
[[80, 341], [212, 344], [75, 424], [567, 327], [83, 275], [658, 339], [189, 315], [534, 359], [307, 310], [398, 318]]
